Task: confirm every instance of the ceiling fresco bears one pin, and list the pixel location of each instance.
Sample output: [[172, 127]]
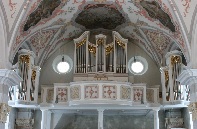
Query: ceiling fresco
[[100, 16], [155, 11], [44, 10], [48, 24]]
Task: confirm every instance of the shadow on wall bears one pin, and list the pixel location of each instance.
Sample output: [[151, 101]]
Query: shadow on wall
[[77, 122], [128, 122], [68, 121]]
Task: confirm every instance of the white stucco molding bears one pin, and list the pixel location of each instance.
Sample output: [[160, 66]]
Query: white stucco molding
[[188, 77], [14, 32], [187, 53], [9, 77]]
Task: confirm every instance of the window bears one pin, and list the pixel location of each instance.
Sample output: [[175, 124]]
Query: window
[[62, 64], [63, 67], [137, 65]]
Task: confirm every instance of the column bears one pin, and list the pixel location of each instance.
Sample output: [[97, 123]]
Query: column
[[100, 118], [156, 118], [46, 119], [7, 78]]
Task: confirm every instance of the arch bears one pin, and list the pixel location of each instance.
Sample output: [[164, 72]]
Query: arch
[[4, 62], [193, 61]]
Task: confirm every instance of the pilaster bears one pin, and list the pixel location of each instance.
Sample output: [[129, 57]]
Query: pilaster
[[100, 118], [156, 118], [46, 119]]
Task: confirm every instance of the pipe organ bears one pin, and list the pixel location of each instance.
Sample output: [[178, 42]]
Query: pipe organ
[[172, 90], [27, 90], [101, 57]]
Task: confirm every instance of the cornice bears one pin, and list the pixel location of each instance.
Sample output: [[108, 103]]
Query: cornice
[[9, 77], [188, 77]]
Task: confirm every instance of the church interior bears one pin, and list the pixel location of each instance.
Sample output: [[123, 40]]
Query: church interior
[[98, 64]]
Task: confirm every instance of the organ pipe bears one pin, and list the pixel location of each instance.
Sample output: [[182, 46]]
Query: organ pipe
[[27, 90], [100, 56], [171, 88]]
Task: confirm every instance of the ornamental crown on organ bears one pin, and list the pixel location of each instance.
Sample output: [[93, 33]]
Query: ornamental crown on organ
[[100, 57]]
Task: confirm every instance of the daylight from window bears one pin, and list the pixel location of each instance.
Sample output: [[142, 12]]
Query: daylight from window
[[137, 67], [63, 67]]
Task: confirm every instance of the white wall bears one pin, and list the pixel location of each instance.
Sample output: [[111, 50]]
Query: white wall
[[152, 75], [48, 76]]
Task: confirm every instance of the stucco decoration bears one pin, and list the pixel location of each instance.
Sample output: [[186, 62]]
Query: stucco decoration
[[11, 10], [50, 95], [160, 41], [125, 92], [193, 109], [75, 92], [62, 94], [138, 94], [109, 92], [28, 123], [174, 123], [44, 10], [95, 16], [4, 111], [40, 40], [150, 95], [133, 16], [155, 11], [91, 92]]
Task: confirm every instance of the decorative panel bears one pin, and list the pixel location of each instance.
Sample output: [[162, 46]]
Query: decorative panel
[[50, 94], [150, 95], [62, 94], [91, 91], [75, 92], [174, 123], [138, 94], [192, 107], [4, 111], [28, 123], [109, 92], [125, 92]]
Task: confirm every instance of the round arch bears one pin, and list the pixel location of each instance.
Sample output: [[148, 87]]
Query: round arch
[[193, 61], [4, 61]]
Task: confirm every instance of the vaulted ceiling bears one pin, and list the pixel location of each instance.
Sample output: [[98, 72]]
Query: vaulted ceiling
[[157, 26]]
